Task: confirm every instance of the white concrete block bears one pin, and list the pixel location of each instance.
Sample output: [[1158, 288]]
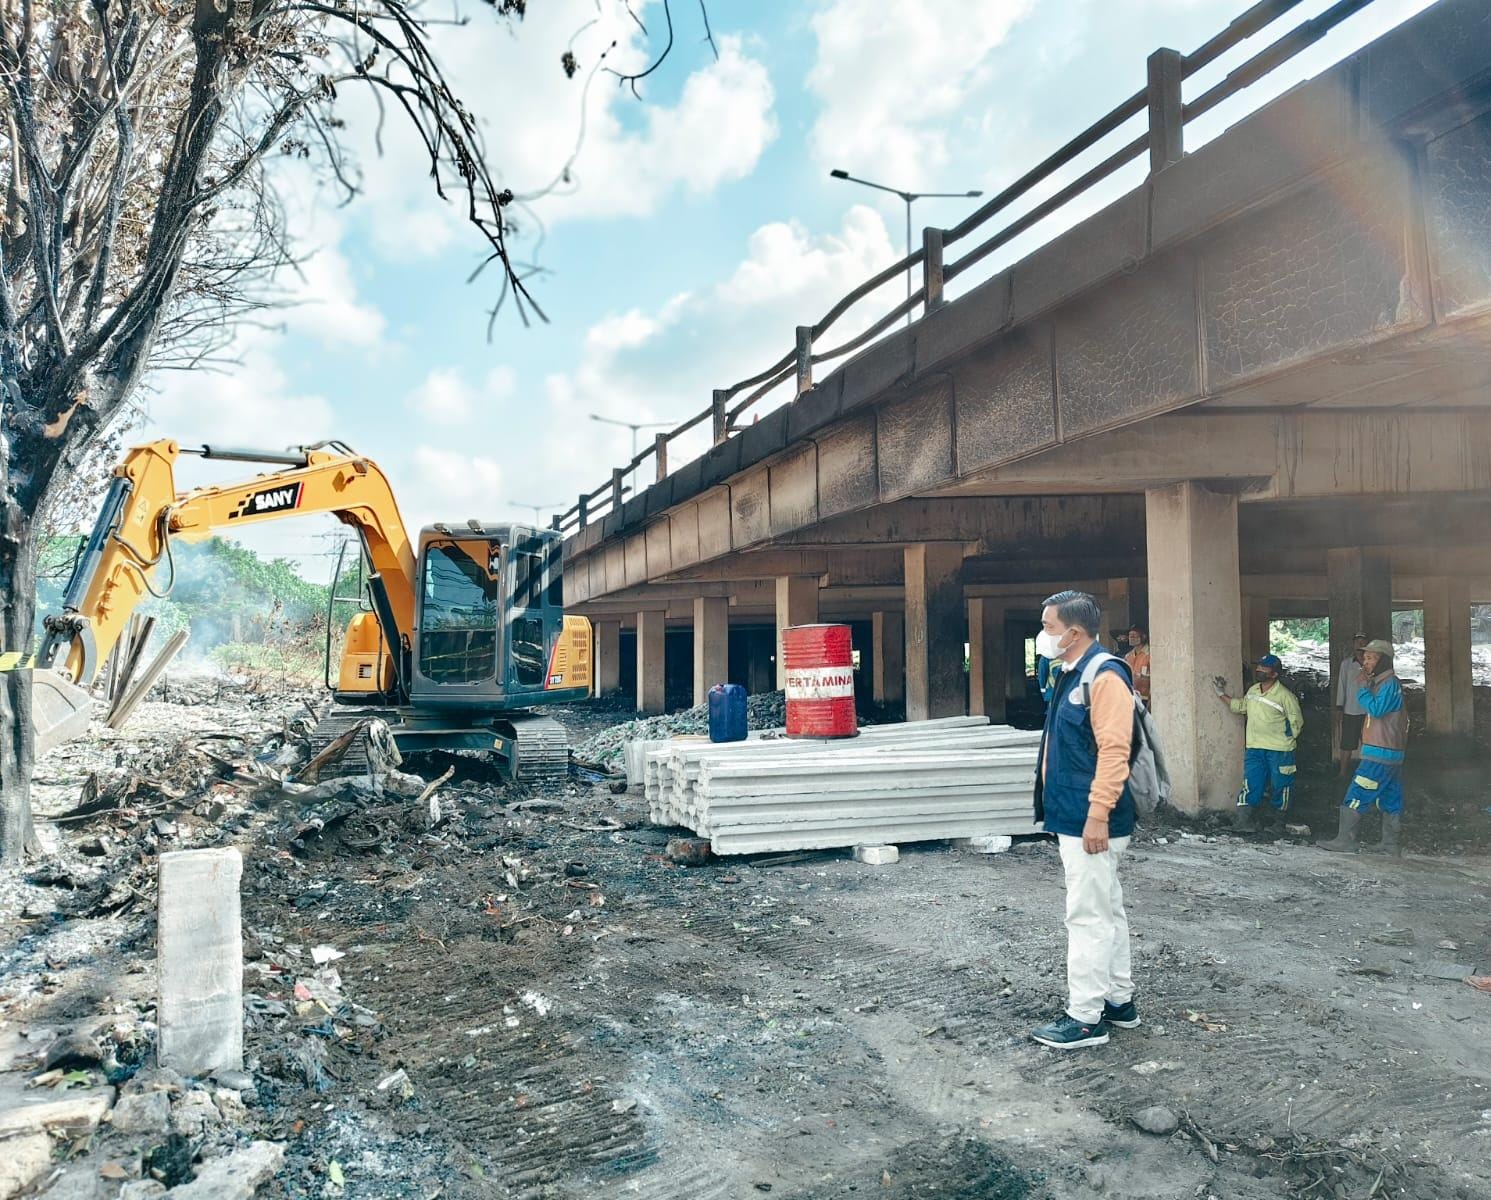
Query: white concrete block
[[199, 955], [993, 843], [876, 856], [23, 1160], [236, 1176]]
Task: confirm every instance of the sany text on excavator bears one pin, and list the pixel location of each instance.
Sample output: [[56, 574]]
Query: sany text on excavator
[[466, 631]]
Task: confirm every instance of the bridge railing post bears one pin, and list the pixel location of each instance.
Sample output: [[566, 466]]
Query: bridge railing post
[[617, 475], [582, 511], [660, 452], [804, 358], [1166, 113], [721, 417], [932, 278]]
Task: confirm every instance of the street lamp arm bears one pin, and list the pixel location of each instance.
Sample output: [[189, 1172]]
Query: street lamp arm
[[907, 196]]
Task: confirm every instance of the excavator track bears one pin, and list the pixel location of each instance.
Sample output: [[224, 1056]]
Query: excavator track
[[540, 744], [338, 719]]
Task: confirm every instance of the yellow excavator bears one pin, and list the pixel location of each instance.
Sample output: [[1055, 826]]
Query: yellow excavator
[[465, 632]]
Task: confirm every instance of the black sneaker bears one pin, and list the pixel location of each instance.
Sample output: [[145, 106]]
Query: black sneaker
[[1068, 1033], [1121, 1016]]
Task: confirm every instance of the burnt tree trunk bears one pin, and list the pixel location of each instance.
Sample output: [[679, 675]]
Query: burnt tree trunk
[[17, 738]]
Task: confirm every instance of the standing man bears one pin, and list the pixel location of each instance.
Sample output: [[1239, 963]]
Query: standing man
[[1082, 796], [1349, 712], [1274, 724], [1138, 660], [1384, 739]]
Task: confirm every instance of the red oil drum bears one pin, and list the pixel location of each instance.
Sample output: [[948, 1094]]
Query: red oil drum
[[819, 662]]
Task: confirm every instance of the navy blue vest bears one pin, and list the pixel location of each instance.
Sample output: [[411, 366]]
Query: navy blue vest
[[1070, 753]]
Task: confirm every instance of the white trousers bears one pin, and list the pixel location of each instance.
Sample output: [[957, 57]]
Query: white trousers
[[1097, 929]]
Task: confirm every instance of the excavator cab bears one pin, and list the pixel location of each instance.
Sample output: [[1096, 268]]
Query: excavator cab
[[490, 629]]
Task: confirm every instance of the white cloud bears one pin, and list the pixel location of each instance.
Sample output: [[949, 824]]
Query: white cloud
[[633, 155], [319, 293], [251, 403], [891, 77], [445, 397], [451, 486]]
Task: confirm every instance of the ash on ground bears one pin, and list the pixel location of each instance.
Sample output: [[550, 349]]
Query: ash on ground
[[487, 990]]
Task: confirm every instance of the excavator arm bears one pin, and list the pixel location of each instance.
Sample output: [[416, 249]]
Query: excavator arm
[[128, 554]]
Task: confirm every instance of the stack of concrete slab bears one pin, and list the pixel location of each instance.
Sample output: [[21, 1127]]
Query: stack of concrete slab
[[919, 781]]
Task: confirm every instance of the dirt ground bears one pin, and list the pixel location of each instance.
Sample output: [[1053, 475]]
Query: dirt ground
[[574, 1016]]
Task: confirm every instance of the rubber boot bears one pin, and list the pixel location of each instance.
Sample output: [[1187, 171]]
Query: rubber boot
[[1245, 819], [1392, 829], [1345, 839]]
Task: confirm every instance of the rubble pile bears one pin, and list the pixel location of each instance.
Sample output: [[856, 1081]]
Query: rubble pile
[[84, 1109], [765, 710], [231, 764]]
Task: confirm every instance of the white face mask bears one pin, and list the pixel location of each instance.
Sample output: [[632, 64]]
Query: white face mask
[[1048, 645]]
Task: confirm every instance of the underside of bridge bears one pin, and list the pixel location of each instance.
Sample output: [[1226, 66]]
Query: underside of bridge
[[1258, 387]]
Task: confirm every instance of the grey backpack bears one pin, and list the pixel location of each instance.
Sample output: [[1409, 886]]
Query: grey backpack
[[1149, 780]]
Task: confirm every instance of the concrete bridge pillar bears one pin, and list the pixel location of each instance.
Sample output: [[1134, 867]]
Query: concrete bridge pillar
[[1449, 696], [651, 675], [935, 626], [711, 644], [1359, 584], [607, 657], [988, 665], [1255, 627], [797, 604], [1195, 633], [888, 657], [1128, 601]]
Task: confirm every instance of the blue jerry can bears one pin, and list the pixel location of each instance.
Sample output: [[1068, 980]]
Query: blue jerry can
[[727, 713]]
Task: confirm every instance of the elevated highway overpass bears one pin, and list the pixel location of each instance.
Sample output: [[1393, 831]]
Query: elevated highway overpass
[[1257, 385]]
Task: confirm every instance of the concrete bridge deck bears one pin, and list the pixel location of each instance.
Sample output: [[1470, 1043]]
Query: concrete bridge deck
[[1255, 386]]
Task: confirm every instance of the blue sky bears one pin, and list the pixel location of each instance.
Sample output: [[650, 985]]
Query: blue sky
[[700, 226]]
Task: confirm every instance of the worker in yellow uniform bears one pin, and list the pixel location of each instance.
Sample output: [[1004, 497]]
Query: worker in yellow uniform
[[1274, 725]]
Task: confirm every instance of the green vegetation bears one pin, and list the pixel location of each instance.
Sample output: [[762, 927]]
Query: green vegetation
[[247, 614]]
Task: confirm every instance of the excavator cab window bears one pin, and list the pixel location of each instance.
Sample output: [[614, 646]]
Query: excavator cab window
[[556, 575], [527, 635], [462, 601]]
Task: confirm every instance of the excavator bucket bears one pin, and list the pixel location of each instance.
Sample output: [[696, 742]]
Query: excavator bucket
[[60, 710]]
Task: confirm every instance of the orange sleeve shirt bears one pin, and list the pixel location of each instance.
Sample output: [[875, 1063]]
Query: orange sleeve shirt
[[1112, 719]]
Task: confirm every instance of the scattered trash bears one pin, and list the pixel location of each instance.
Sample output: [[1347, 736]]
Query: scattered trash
[[688, 852], [1153, 1067], [1394, 937], [1207, 1023]]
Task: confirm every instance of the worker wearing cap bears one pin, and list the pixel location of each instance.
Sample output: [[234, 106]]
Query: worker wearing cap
[[1384, 738], [1274, 725]]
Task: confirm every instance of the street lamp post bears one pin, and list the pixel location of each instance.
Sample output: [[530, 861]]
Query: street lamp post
[[634, 427], [909, 198]]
